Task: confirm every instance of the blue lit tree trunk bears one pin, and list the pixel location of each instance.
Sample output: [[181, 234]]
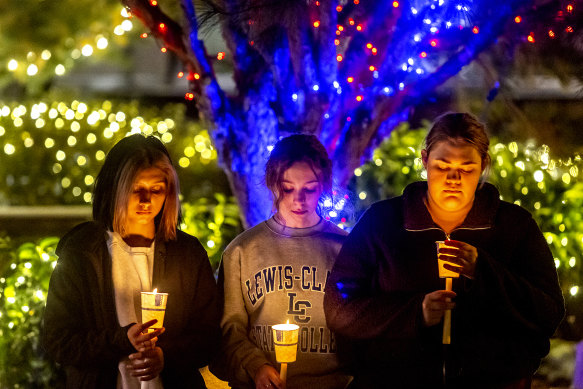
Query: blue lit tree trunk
[[346, 71]]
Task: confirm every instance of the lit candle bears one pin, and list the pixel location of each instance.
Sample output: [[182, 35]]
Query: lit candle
[[285, 339], [154, 307]]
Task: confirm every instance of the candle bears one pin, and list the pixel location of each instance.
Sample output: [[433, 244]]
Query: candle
[[448, 275], [285, 339], [154, 307]]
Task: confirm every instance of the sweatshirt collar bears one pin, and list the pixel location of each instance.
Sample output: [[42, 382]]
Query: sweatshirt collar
[[280, 229], [481, 215]]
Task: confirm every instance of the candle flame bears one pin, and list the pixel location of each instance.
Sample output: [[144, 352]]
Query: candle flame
[[155, 290], [287, 322]]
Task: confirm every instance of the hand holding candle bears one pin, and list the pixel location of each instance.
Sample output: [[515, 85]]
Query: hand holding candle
[[457, 257], [285, 339]]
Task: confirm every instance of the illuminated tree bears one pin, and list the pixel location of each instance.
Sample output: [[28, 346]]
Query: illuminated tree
[[347, 71]]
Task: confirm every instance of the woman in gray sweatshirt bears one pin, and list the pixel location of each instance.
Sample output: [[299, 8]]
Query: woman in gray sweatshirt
[[276, 272]]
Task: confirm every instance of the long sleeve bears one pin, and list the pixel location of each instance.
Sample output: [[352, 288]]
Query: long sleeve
[[525, 293], [240, 358], [70, 306], [354, 303], [196, 343]]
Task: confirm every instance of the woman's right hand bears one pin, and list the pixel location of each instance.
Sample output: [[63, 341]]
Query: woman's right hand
[[268, 378], [144, 341], [435, 304]]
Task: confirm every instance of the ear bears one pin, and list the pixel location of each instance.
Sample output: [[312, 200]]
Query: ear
[[424, 158]]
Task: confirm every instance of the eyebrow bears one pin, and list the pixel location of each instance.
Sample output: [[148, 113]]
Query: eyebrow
[[463, 163], [308, 182], [163, 181]]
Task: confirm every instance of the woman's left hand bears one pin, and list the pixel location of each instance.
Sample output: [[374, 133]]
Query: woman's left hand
[[463, 257], [146, 365]]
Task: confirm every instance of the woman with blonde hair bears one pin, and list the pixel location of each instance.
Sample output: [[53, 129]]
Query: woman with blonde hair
[[92, 322]]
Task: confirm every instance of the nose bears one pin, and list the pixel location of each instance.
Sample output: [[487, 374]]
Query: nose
[[454, 175], [299, 196], [145, 197]]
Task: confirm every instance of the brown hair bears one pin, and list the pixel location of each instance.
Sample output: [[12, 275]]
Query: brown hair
[[114, 184], [463, 126], [292, 149]]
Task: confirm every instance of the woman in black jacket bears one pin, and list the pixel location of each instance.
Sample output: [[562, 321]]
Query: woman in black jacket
[[92, 322], [385, 292]]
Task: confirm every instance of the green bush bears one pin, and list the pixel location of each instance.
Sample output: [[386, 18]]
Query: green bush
[[24, 283], [215, 222]]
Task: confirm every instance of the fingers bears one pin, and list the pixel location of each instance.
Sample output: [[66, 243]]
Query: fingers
[[435, 304], [144, 340], [268, 378], [440, 300], [146, 365], [148, 324], [460, 256]]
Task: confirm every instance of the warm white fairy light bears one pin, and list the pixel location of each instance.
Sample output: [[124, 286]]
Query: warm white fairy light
[[189, 151], [60, 70], [9, 149], [102, 43], [127, 25], [87, 50], [184, 162], [12, 65], [32, 70], [81, 160]]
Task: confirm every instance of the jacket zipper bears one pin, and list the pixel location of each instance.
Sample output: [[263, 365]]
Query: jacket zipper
[[448, 236]]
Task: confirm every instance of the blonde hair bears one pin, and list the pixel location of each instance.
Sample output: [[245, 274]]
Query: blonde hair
[[115, 182]]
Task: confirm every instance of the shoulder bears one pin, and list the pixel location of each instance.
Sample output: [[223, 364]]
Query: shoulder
[[185, 242], [247, 243], [331, 234], [331, 228], [512, 214], [85, 237], [383, 211], [250, 236]]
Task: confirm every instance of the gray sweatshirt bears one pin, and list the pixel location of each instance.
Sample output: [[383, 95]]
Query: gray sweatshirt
[[271, 274]]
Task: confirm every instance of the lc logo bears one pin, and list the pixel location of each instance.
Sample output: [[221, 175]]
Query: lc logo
[[298, 308]]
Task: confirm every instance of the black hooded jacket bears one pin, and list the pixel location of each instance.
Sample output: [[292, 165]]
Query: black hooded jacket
[[503, 318], [80, 326]]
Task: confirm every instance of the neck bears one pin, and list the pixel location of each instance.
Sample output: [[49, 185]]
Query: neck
[[140, 235], [310, 222], [447, 220], [137, 241]]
